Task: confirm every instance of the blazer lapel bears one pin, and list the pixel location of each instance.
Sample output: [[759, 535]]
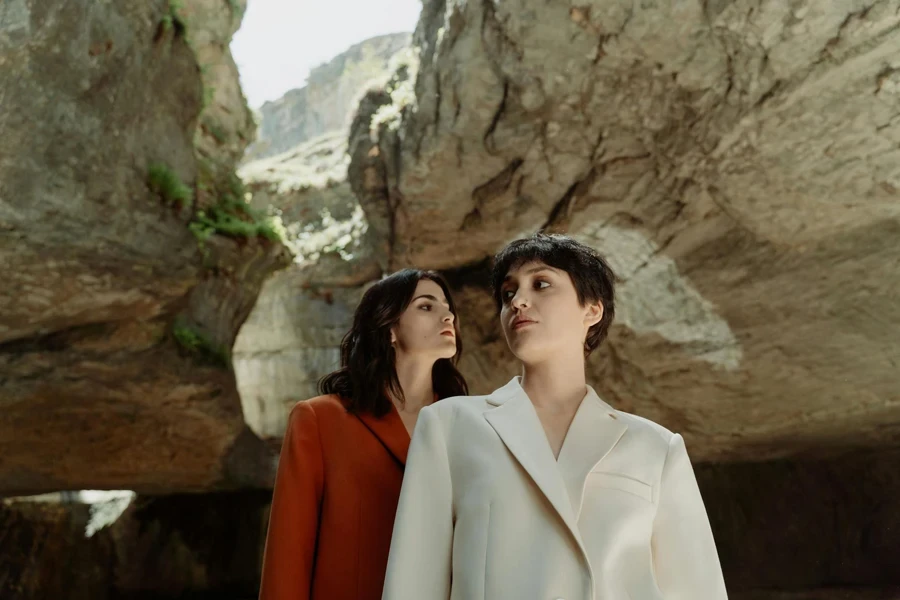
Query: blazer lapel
[[594, 431], [390, 431], [518, 425]]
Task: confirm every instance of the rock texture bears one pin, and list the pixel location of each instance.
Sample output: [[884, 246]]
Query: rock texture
[[226, 125], [735, 159], [325, 227], [327, 102], [101, 277], [290, 340], [737, 162], [292, 336], [145, 548], [738, 168]]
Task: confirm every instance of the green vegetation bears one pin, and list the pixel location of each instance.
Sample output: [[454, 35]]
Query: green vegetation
[[163, 181], [201, 346], [234, 217], [174, 18], [225, 210], [217, 131], [236, 10], [209, 92]]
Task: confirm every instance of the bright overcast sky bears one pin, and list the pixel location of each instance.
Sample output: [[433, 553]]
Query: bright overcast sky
[[280, 41]]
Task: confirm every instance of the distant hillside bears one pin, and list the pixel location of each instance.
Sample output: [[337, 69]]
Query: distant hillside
[[325, 102]]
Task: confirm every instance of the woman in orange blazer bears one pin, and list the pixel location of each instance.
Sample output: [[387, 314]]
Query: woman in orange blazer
[[343, 453]]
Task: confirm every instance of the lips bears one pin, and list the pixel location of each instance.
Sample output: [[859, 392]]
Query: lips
[[520, 323], [449, 333]]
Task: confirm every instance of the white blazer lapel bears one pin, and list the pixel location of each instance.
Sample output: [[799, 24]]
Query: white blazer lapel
[[518, 425], [594, 431]]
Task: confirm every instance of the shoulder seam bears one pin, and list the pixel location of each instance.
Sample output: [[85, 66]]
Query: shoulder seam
[[312, 409]]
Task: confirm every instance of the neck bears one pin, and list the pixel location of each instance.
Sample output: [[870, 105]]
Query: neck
[[558, 383], [415, 381]]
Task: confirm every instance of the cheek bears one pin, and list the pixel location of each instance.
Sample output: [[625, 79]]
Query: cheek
[[422, 324], [408, 327], [560, 316]]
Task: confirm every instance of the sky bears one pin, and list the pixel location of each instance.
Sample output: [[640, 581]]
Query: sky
[[280, 41]]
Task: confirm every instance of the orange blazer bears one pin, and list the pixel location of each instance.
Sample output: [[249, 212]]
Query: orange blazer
[[334, 503]]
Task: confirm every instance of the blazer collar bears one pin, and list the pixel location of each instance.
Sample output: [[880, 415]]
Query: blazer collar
[[507, 392], [594, 431], [513, 389], [390, 431]]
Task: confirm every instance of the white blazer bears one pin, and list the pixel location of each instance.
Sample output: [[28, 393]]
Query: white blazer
[[487, 513]]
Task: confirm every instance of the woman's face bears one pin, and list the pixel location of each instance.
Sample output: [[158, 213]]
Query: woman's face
[[541, 315], [427, 328]]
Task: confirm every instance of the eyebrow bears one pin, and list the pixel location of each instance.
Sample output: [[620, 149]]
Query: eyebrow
[[534, 270], [430, 297]]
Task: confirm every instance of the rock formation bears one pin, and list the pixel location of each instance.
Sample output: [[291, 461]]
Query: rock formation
[[177, 546], [327, 102], [737, 162], [128, 260], [292, 336], [735, 159]]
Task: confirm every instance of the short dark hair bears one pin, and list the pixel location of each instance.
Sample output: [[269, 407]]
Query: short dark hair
[[368, 376], [591, 275]]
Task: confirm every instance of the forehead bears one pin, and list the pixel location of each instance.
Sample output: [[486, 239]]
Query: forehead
[[529, 268], [430, 288]]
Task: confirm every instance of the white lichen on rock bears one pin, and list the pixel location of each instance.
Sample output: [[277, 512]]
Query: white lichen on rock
[[401, 88], [310, 241]]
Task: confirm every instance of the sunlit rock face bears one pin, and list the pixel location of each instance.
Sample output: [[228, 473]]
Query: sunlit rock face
[[292, 337], [734, 165], [735, 161], [115, 322]]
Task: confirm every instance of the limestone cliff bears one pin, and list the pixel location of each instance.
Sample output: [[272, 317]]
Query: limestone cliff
[[736, 161], [327, 102], [129, 258]]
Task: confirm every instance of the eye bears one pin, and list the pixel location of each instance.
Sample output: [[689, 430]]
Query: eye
[[541, 284], [507, 294], [425, 307]]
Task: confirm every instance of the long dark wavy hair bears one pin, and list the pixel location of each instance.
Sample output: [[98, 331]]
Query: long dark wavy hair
[[367, 377]]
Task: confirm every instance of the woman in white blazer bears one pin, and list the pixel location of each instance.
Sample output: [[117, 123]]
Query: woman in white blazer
[[540, 490]]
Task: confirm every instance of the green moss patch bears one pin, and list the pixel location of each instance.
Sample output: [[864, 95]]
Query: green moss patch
[[165, 182], [200, 346]]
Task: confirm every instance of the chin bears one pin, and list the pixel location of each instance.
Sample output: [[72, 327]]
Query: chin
[[446, 349], [526, 353]]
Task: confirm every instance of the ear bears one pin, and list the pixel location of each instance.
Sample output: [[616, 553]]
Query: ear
[[593, 313], [393, 337]]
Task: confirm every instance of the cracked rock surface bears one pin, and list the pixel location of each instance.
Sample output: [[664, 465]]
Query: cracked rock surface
[[737, 161], [95, 391]]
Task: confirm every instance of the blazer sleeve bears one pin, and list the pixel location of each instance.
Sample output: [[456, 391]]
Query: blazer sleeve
[[419, 564], [685, 559], [294, 516]]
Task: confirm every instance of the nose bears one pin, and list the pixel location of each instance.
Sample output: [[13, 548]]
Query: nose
[[449, 317], [520, 300]]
